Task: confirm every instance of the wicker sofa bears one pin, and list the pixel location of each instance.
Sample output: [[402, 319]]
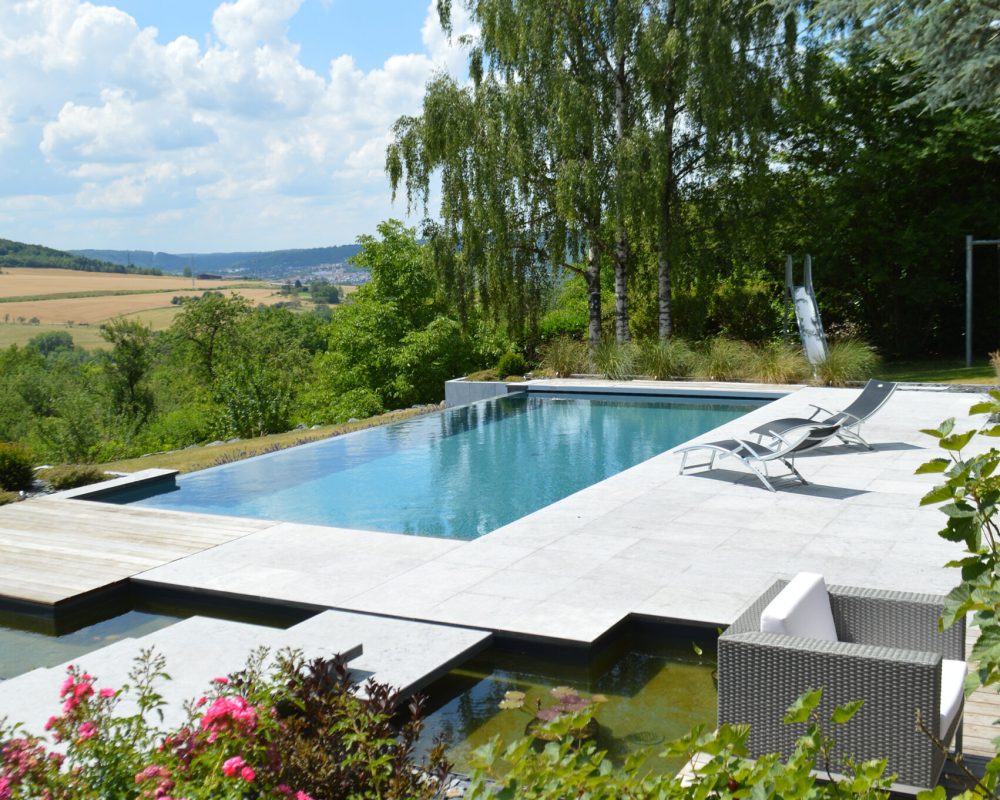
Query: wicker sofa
[[889, 653]]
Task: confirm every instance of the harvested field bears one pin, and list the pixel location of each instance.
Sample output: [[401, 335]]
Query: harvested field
[[93, 310], [22, 282]]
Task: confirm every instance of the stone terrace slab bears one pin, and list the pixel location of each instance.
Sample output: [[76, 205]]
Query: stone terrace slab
[[692, 548]]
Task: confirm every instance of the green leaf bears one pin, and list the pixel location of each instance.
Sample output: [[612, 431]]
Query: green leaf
[[937, 793], [994, 431], [937, 495], [958, 510], [983, 408], [801, 709], [843, 713], [934, 465], [697, 650], [957, 441], [941, 430]]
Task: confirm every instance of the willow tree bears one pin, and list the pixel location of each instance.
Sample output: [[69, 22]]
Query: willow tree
[[582, 122]]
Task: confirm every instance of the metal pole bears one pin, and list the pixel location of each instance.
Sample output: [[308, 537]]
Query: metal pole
[[788, 296], [968, 301]]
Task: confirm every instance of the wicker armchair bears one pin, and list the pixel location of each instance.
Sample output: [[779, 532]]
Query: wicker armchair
[[889, 654]]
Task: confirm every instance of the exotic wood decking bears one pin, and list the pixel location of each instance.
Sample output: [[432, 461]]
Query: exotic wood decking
[[54, 550]]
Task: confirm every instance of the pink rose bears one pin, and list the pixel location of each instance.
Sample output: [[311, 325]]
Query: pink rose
[[50, 723], [302, 796], [107, 692], [232, 766], [248, 774], [220, 681], [67, 686], [87, 730]]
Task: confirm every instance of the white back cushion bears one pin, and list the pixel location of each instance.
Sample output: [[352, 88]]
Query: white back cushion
[[802, 608], [952, 691]]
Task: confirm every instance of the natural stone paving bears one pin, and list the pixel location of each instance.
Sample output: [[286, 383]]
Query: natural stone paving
[[647, 541]]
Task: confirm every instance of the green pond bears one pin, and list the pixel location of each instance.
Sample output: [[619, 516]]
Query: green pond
[[651, 700], [24, 650]]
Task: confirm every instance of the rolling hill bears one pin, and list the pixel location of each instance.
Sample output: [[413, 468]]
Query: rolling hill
[[19, 254]]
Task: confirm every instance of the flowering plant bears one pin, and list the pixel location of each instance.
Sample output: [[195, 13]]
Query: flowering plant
[[248, 737]]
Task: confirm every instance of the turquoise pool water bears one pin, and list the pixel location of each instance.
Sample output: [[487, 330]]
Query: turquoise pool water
[[457, 474]]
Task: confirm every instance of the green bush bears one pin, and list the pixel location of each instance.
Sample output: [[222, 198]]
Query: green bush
[[564, 322], [616, 361], [16, 467], [747, 307], [72, 476], [511, 364], [8, 497], [353, 404], [662, 360], [777, 362], [564, 356], [722, 359], [846, 361]]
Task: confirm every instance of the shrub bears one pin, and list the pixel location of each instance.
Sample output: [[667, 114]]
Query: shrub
[[8, 497], [298, 731], [615, 360], [511, 364], [777, 362], [353, 404], [483, 375], [72, 476], [564, 356], [661, 360], [747, 307], [723, 359], [16, 467], [564, 322], [847, 360], [995, 361]]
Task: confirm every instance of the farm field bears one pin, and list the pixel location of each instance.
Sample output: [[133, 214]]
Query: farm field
[[21, 282], [79, 302]]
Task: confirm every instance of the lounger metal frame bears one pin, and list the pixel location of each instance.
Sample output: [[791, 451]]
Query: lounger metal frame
[[850, 422], [752, 454]]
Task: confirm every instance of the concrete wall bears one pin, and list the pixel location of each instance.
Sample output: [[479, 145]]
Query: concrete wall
[[460, 392]]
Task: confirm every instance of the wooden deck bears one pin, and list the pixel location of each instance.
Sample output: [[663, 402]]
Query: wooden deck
[[982, 710], [53, 550]]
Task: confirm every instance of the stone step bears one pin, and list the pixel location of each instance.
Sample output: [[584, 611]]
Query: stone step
[[405, 654]]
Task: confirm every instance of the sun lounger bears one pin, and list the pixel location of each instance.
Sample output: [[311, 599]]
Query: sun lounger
[[872, 398], [756, 455]]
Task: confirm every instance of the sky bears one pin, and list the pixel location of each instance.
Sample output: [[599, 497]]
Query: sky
[[204, 126]]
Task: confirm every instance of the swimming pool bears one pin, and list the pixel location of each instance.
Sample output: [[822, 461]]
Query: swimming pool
[[457, 474]]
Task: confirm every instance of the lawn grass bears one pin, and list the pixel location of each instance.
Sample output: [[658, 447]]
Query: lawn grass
[[942, 370], [195, 458]]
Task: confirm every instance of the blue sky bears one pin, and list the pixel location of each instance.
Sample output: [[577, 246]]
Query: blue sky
[[195, 125]]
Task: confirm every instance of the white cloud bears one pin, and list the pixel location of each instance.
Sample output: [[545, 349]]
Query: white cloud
[[232, 143]]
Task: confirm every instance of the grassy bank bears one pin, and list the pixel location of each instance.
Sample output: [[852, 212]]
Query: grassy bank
[[944, 370], [194, 458]]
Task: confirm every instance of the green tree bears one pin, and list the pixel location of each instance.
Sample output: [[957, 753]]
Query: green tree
[[950, 50], [51, 342], [127, 366], [205, 324]]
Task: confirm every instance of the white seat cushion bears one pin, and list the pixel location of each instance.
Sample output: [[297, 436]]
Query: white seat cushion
[[952, 690], [802, 608]]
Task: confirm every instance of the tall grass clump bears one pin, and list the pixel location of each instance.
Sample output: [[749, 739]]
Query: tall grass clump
[[661, 360], [847, 360], [564, 356], [778, 362], [995, 361], [616, 361], [723, 359]]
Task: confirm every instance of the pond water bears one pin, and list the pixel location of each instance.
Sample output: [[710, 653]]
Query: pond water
[[651, 700]]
